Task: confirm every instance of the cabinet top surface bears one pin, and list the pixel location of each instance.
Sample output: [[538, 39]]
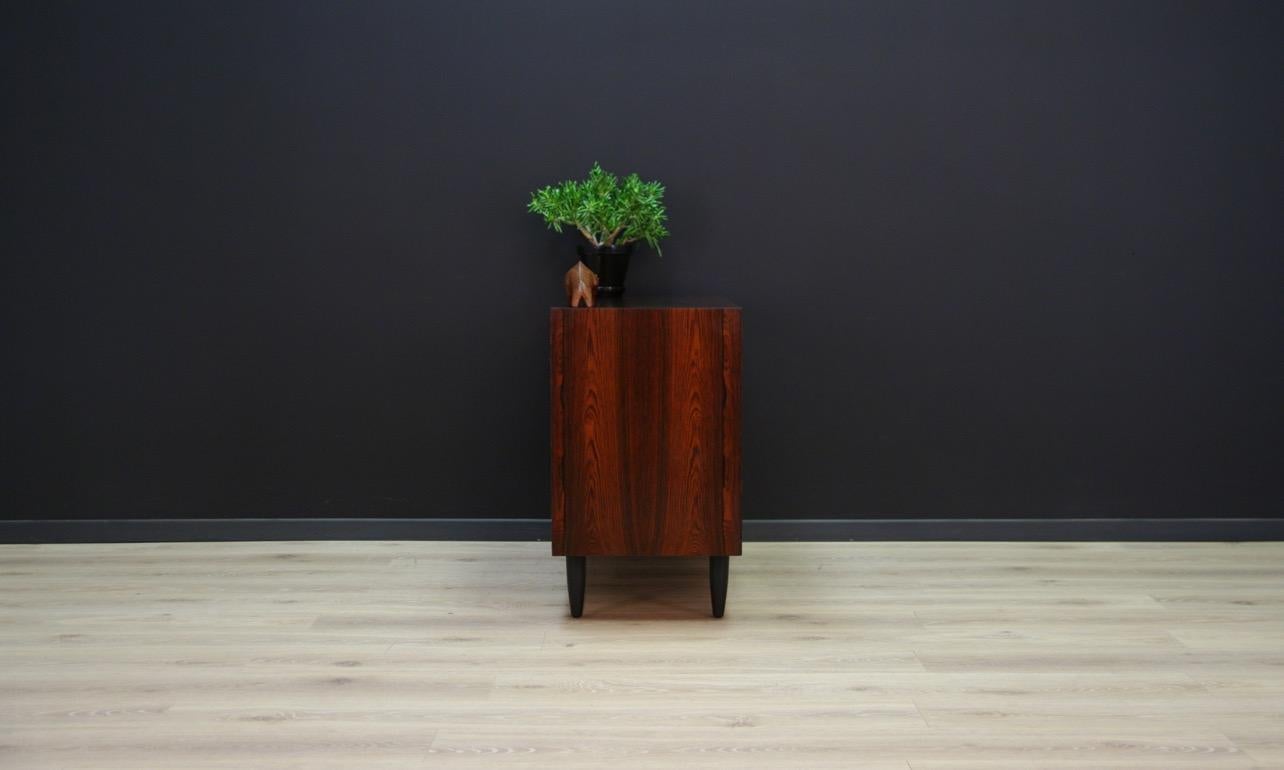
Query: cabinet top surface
[[627, 302]]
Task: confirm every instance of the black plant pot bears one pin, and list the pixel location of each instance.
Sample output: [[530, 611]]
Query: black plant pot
[[611, 263]]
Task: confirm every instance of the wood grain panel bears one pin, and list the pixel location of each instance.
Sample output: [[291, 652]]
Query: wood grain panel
[[644, 337], [690, 416], [639, 406], [731, 355], [557, 421], [594, 435]]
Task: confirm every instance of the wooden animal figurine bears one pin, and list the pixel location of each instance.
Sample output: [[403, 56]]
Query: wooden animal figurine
[[581, 284]]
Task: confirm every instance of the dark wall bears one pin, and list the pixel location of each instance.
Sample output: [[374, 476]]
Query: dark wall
[[996, 259]]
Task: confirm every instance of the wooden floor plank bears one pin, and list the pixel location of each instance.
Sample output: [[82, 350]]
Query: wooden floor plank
[[908, 656]]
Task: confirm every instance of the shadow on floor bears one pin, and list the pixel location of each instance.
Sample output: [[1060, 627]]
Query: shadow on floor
[[647, 587]]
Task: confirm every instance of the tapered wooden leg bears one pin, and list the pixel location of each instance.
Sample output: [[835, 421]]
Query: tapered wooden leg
[[718, 568], [575, 569]]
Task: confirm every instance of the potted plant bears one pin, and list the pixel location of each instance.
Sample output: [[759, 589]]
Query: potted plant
[[611, 216]]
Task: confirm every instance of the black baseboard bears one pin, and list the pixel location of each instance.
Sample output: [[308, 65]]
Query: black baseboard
[[1044, 530], [761, 530]]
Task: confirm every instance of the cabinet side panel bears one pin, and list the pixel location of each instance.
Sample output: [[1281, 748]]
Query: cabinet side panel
[[557, 427], [731, 520], [692, 419], [593, 461]]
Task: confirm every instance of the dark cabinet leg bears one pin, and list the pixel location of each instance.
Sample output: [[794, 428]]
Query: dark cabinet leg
[[575, 569], [718, 567]]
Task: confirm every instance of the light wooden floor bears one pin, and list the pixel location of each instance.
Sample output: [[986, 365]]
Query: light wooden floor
[[907, 656]]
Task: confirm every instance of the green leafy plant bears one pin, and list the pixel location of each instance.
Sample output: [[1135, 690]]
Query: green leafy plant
[[605, 211]]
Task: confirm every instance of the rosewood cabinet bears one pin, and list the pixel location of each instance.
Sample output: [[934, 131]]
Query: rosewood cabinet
[[646, 434]]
